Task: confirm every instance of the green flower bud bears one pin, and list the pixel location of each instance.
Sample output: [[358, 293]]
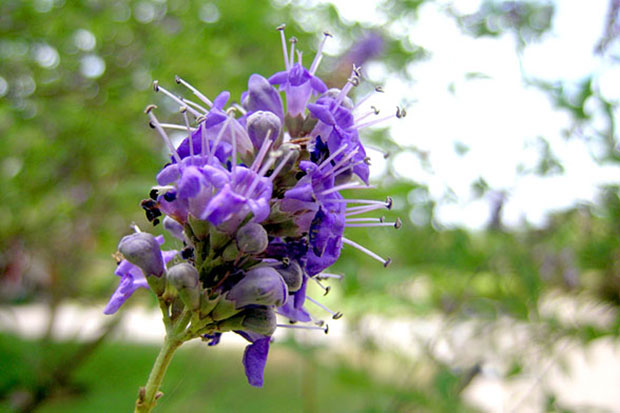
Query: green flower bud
[[292, 275], [252, 238], [260, 320], [184, 278]]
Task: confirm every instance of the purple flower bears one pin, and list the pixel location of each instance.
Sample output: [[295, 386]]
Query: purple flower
[[261, 95], [246, 193], [299, 85], [132, 278], [255, 357]]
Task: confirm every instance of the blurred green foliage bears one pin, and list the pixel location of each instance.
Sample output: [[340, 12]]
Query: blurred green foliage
[[76, 157]]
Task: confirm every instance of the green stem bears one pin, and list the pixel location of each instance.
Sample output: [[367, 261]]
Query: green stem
[[148, 395]]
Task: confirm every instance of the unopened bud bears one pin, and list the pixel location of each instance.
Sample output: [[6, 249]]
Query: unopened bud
[[142, 250], [184, 278], [262, 125], [260, 320], [263, 96], [292, 275], [252, 238], [259, 286]]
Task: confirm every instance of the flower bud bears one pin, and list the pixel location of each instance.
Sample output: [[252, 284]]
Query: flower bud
[[184, 278], [142, 250], [260, 320], [263, 96], [292, 275], [252, 238], [262, 124], [262, 286]]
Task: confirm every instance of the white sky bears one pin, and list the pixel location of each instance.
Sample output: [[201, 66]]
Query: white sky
[[498, 118]]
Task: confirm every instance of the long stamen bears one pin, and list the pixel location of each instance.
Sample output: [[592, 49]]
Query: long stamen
[[333, 155], [378, 89], [177, 99], [195, 91], [189, 132], [204, 150], [295, 326], [280, 28], [262, 152], [387, 203], [396, 224], [276, 171], [258, 176], [240, 108], [400, 113], [293, 41], [319, 54], [196, 105], [326, 275], [335, 315], [362, 209], [382, 219], [345, 159], [373, 111], [218, 138], [349, 185], [174, 126], [155, 124], [327, 289], [366, 251]]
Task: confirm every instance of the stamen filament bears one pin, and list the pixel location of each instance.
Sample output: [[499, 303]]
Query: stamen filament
[[395, 224], [333, 155], [276, 171], [359, 126], [194, 91], [177, 99], [366, 251], [327, 289], [284, 51], [204, 150], [350, 185], [326, 275], [155, 123], [335, 315], [293, 41], [218, 138], [319, 54], [362, 209], [373, 111], [189, 132], [324, 329], [174, 126], [262, 152]]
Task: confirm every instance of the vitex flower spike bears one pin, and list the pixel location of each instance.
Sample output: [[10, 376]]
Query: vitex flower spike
[[254, 197]]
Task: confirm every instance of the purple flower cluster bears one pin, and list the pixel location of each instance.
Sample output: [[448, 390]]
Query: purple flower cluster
[[253, 192]]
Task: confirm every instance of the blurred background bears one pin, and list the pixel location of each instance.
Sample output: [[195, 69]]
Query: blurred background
[[503, 294]]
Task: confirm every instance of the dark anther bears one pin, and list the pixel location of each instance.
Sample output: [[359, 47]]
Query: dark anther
[[148, 203], [153, 194], [327, 290], [375, 109], [382, 219], [379, 89], [398, 223], [367, 160], [389, 202], [200, 118], [170, 196], [177, 79], [293, 39], [156, 85], [281, 27], [337, 315], [151, 125], [387, 262], [320, 323], [326, 328], [328, 34], [155, 221], [183, 109], [400, 113], [149, 108], [357, 70], [187, 252]]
